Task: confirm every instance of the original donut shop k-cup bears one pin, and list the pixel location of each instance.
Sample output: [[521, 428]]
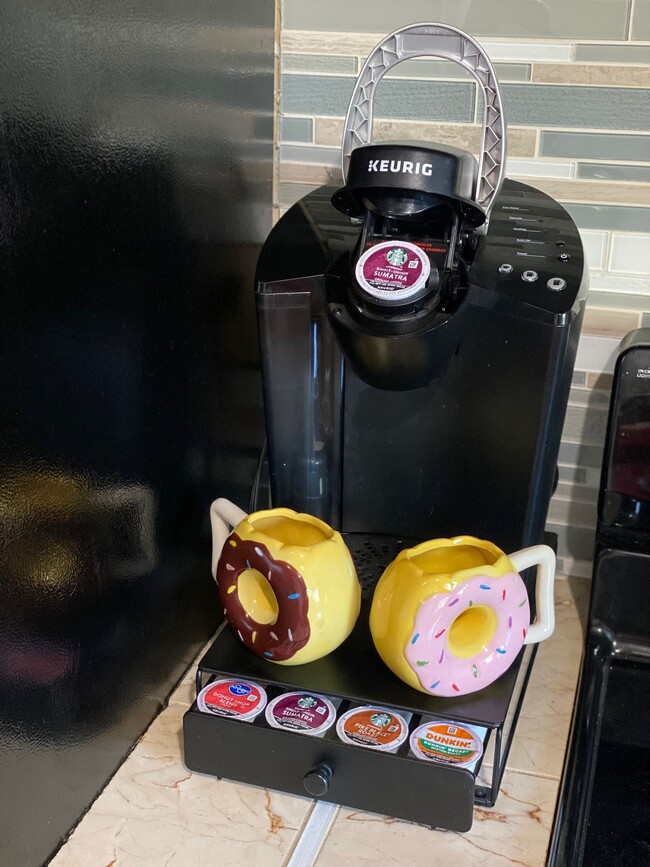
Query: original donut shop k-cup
[[416, 364]]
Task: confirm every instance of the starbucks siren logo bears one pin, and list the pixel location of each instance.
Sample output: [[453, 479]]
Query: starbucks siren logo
[[397, 256]]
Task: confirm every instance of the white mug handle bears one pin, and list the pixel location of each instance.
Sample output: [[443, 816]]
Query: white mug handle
[[224, 515], [544, 558]]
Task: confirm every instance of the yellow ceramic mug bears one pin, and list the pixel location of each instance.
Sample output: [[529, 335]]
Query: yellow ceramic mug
[[449, 616], [286, 581]]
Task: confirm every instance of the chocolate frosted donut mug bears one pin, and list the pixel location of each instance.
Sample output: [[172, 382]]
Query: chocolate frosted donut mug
[[286, 581]]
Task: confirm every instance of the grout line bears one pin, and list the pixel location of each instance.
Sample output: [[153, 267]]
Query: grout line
[[608, 248], [524, 773], [518, 126], [504, 81], [631, 20], [277, 75], [312, 835], [296, 838]]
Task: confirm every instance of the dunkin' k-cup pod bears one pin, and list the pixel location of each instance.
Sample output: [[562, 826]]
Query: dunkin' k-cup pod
[[446, 742]]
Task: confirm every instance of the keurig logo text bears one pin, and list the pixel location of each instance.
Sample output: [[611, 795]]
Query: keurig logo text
[[406, 166]]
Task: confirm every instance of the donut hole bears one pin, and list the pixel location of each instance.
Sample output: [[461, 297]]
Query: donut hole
[[472, 631], [293, 531], [257, 597]]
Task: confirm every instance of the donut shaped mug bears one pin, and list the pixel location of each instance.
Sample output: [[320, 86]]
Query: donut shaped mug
[[286, 581], [449, 616]]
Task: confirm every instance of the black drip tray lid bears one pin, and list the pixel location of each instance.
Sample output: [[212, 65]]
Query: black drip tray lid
[[404, 179]]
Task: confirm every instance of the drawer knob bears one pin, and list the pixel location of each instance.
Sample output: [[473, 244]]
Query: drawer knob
[[317, 781]]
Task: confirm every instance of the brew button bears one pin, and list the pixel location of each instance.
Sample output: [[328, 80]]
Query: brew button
[[529, 276], [563, 257], [556, 284], [560, 244], [506, 268]]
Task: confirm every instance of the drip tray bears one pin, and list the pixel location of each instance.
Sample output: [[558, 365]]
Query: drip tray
[[397, 783]]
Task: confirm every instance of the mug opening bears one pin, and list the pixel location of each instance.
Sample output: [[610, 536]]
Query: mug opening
[[293, 531], [472, 631], [257, 597], [454, 558]]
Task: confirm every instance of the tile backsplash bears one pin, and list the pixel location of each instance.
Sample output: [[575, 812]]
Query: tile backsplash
[[575, 80]]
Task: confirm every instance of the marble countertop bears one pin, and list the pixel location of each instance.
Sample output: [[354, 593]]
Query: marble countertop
[[154, 812]]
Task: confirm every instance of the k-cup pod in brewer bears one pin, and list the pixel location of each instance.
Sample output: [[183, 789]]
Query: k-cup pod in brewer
[[304, 712], [376, 728], [241, 699], [447, 743]]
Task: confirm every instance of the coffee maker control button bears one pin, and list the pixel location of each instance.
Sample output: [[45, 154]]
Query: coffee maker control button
[[506, 268], [556, 284], [529, 276], [563, 257], [317, 781]]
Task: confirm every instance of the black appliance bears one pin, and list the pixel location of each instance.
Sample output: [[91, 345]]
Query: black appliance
[[603, 813], [405, 408], [136, 152]]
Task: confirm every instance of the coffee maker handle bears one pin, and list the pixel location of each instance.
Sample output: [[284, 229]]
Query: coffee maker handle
[[544, 558], [449, 43], [224, 515]]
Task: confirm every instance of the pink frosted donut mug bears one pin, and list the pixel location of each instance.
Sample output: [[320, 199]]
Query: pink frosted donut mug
[[449, 616]]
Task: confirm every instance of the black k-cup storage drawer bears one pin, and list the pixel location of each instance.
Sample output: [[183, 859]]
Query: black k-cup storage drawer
[[393, 784]]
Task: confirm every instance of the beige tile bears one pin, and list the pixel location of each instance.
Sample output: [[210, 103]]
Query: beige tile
[[521, 141], [595, 192], [314, 42], [610, 323], [592, 73], [154, 811], [578, 568], [577, 493], [309, 173], [515, 831], [362, 43], [572, 513], [601, 381], [585, 425]]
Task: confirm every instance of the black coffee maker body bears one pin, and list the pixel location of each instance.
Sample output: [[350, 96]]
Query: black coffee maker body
[[418, 330]]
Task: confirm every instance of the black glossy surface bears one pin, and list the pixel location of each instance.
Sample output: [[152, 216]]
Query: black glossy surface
[[135, 188], [437, 174], [472, 450], [624, 506], [603, 812], [618, 827], [364, 779], [355, 671]]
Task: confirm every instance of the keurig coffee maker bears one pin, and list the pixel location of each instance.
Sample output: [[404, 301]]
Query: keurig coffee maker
[[418, 330]]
